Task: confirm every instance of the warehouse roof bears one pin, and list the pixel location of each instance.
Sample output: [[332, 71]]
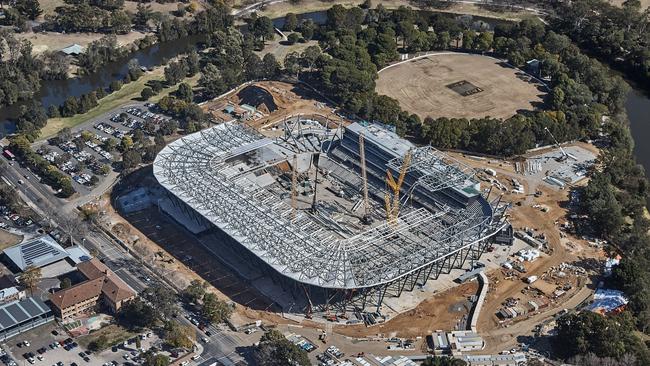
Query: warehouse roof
[[37, 252], [19, 311]]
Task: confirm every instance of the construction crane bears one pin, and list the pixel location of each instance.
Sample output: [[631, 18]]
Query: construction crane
[[564, 154], [364, 176], [391, 198], [294, 184]]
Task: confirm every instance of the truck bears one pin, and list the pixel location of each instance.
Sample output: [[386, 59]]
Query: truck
[[530, 279]]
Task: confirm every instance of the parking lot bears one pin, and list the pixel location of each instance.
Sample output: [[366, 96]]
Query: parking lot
[[50, 345], [89, 152], [186, 248]]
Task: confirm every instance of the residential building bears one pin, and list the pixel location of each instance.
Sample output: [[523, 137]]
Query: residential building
[[102, 287]]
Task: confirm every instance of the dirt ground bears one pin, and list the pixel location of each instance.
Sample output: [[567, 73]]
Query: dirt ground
[[420, 86], [569, 249], [430, 315], [8, 239], [280, 99]]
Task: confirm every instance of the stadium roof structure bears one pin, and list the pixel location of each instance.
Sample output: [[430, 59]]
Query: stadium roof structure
[[201, 170], [38, 252]]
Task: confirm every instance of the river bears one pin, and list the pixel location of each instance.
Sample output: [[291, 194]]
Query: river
[[638, 112], [56, 91]]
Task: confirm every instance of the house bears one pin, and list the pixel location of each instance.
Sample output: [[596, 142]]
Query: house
[[101, 287]]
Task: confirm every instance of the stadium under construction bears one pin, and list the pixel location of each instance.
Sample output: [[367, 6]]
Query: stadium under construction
[[341, 217]]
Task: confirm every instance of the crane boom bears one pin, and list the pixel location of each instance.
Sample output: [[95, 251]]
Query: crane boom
[[392, 198], [557, 143]]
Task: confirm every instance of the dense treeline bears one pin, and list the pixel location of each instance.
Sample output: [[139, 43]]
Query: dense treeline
[[581, 89], [21, 71], [619, 35]]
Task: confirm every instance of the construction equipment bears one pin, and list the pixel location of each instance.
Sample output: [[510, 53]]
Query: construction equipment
[[366, 204], [294, 184], [565, 156], [391, 198]]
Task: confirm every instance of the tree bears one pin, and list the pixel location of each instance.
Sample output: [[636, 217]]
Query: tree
[[310, 55], [270, 66], [131, 159], [99, 344], [195, 291], [142, 16], [114, 86], [215, 310], [275, 350], [126, 143], [29, 8], [175, 72], [292, 63], [65, 283], [134, 69], [179, 336], [262, 28], [185, 92], [293, 38], [290, 22], [146, 93], [155, 359], [30, 278], [211, 81], [162, 300], [136, 314]]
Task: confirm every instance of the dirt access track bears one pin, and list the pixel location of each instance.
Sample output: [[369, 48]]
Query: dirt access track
[[423, 86]]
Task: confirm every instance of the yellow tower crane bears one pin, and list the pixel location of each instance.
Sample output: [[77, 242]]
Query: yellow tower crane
[[391, 198]]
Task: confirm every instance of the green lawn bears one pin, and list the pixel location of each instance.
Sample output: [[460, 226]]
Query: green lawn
[[113, 333], [129, 93]]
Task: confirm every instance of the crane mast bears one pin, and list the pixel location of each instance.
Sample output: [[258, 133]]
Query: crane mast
[[391, 198], [294, 183], [364, 177]]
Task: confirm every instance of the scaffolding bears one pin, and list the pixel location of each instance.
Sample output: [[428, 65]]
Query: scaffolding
[[198, 170]]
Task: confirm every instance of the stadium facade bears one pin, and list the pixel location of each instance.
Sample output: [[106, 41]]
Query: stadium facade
[[236, 180]]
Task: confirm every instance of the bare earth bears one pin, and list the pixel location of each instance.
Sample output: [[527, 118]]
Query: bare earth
[[420, 87], [8, 239]]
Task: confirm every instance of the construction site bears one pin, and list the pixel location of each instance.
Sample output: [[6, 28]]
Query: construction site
[[312, 221], [340, 218]]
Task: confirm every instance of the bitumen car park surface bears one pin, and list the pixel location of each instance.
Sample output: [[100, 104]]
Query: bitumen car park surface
[[45, 348], [109, 125]]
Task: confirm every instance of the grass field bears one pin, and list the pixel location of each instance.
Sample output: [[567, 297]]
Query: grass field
[[280, 9], [114, 333], [8, 239], [129, 93], [420, 86]]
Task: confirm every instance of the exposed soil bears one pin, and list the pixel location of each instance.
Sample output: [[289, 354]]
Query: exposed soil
[[421, 87]]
